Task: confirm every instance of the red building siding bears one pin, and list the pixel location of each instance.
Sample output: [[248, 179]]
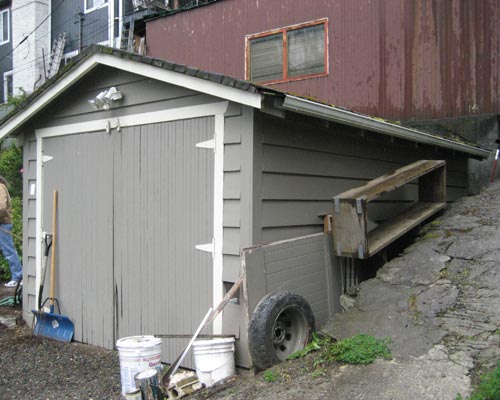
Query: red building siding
[[399, 59]]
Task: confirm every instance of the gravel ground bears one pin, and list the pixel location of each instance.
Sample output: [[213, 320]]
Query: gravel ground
[[37, 368]]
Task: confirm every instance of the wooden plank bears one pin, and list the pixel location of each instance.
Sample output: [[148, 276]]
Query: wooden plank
[[387, 233], [327, 223], [398, 178], [304, 187], [351, 236], [273, 234], [350, 227], [432, 186]]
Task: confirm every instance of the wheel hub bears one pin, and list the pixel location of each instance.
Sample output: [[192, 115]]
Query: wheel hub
[[279, 332]]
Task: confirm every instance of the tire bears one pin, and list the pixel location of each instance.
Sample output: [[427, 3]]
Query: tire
[[281, 324]]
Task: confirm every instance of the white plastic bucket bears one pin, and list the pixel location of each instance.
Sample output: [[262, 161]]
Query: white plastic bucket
[[137, 353], [214, 360]]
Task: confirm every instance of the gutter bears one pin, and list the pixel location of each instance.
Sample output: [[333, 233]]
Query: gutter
[[307, 107]]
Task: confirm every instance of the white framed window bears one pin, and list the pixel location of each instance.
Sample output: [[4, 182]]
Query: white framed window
[[287, 54], [8, 86], [91, 5], [4, 26]]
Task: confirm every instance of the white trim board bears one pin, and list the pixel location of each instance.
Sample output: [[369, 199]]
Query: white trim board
[[176, 78], [174, 114], [38, 216], [218, 219], [183, 80]]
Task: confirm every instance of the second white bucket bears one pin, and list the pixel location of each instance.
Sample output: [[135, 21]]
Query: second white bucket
[[214, 360], [137, 353]]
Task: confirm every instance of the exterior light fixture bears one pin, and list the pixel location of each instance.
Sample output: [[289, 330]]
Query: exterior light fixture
[[105, 98]]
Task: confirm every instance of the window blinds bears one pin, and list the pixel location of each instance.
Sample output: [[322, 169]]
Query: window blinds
[[266, 58], [306, 51]]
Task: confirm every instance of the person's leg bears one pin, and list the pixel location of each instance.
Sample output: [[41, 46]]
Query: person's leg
[[10, 253]]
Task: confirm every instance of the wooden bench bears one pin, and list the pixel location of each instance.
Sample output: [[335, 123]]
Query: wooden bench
[[350, 220]]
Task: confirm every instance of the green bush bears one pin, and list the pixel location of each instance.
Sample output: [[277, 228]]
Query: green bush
[[11, 163]]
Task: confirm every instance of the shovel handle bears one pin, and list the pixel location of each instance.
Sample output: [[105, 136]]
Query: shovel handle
[[53, 255], [48, 244]]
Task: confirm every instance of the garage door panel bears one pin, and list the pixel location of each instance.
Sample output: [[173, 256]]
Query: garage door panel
[[81, 172], [163, 208]]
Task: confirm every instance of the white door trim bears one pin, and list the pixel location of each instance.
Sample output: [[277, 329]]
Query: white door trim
[[38, 212], [202, 110], [218, 218]]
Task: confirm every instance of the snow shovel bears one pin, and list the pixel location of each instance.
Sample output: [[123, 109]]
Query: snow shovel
[[52, 325]]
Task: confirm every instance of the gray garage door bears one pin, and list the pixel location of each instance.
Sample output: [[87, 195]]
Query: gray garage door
[[134, 204]]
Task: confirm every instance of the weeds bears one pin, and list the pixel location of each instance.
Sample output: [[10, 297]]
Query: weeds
[[359, 349], [315, 344], [271, 376], [320, 371], [488, 388], [444, 273]]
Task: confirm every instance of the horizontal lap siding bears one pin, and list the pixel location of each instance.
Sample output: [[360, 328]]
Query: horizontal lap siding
[[304, 165], [29, 220], [299, 266], [238, 143]]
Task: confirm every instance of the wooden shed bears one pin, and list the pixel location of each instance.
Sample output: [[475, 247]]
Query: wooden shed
[[162, 186]]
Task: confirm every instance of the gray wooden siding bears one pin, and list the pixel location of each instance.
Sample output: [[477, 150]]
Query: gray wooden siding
[[133, 205], [143, 292], [82, 172], [300, 265], [29, 220], [65, 19], [238, 169], [140, 95], [163, 205], [303, 165], [141, 156]]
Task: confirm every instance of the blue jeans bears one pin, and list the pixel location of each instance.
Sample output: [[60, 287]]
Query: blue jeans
[[10, 253]]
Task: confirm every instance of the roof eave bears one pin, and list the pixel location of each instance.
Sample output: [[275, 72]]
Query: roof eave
[[252, 99], [51, 93], [307, 107]]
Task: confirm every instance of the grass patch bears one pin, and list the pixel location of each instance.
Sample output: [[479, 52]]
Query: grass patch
[[271, 376], [488, 388], [359, 349]]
